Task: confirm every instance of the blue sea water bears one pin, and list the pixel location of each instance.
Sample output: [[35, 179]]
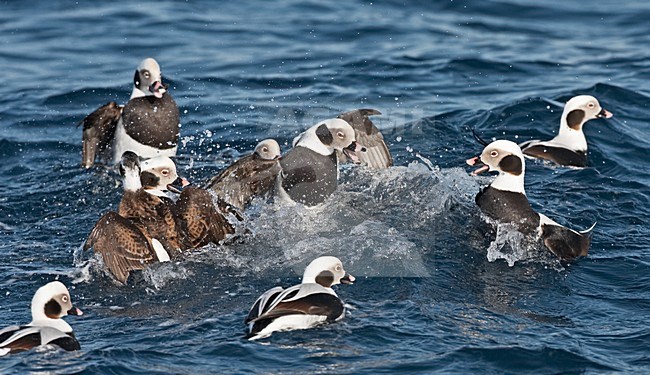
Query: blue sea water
[[434, 293]]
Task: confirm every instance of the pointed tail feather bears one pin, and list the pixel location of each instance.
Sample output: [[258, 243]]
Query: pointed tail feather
[[478, 138], [588, 231]]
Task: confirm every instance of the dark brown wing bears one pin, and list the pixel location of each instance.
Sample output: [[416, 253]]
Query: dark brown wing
[[199, 219], [564, 242], [67, 343], [124, 248], [24, 343], [166, 228], [154, 216], [377, 155], [98, 131], [228, 209], [138, 204], [558, 155], [245, 179], [313, 304]]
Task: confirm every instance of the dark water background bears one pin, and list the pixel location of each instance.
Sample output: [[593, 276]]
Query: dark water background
[[427, 297]]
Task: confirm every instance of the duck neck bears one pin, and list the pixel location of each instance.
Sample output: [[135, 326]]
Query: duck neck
[[309, 276], [137, 93], [308, 280], [39, 319], [310, 140], [509, 182], [131, 181], [573, 139]]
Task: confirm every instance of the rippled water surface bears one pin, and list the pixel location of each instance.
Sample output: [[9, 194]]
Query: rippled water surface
[[427, 297]]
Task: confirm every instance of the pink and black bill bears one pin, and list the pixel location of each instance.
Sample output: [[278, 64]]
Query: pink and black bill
[[352, 150], [178, 185], [476, 161]]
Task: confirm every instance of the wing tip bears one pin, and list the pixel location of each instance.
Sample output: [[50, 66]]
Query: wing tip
[[363, 112]]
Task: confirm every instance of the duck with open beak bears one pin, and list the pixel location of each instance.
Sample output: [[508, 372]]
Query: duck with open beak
[[348, 279], [476, 161], [504, 200], [158, 89], [352, 150], [178, 184]]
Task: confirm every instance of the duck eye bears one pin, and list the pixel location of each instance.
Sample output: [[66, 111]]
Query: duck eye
[[165, 172], [338, 268], [340, 135], [494, 153], [591, 105], [64, 299]]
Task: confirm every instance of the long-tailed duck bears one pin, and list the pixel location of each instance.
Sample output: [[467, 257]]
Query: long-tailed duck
[[50, 304], [249, 177], [159, 177], [569, 147], [142, 232], [301, 306], [147, 125], [310, 170], [151, 211], [201, 217], [505, 201], [377, 155]]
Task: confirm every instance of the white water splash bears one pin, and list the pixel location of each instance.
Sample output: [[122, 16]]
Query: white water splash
[[159, 274], [372, 222], [81, 273], [513, 246], [381, 223]]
